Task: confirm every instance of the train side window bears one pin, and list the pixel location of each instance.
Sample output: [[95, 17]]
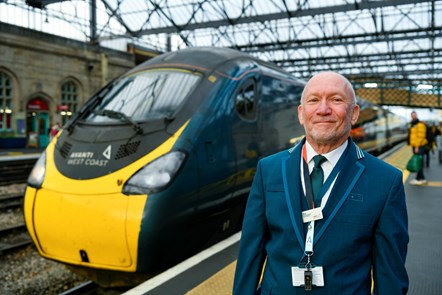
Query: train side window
[[245, 101]]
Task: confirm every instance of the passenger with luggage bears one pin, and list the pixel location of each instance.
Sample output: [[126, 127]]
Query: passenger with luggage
[[417, 139]]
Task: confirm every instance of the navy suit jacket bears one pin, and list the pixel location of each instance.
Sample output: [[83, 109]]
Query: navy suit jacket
[[364, 231]]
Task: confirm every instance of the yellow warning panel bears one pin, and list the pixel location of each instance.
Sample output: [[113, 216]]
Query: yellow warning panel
[[220, 283], [399, 160]]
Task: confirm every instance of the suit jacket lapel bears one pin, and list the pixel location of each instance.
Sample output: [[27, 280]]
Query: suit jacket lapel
[[293, 190], [349, 174]]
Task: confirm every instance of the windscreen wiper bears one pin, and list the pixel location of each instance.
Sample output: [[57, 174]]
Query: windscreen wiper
[[90, 104], [120, 116]]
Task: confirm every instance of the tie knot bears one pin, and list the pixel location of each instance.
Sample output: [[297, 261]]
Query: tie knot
[[319, 159]]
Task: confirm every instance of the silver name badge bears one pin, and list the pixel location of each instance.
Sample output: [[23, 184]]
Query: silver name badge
[[312, 215], [316, 275]]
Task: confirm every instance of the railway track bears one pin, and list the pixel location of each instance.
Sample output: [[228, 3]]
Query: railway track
[[11, 201], [13, 237]]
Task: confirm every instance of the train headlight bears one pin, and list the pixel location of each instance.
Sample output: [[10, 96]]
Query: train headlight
[[156, 175], [37, 175]]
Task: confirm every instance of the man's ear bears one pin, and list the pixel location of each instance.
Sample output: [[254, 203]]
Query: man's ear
[[355, 115], [300, 116]]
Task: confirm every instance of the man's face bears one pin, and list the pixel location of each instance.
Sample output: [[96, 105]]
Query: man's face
[[413, 116], [327, 110]]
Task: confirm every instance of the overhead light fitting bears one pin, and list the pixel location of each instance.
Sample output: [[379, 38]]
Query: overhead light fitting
[[371, 85], [424, 87]]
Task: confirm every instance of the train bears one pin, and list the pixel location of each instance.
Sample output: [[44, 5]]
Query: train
[[158, 164]]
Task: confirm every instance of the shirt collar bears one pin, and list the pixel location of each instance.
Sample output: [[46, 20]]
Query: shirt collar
[[332, 157]]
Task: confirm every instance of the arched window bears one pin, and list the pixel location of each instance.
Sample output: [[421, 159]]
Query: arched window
[[5, 102], [245, 100], [69, 100]]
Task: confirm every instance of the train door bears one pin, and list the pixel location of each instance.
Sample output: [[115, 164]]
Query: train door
[[37, 123]]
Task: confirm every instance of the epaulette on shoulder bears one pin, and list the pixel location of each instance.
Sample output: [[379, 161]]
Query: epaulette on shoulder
[[291, 149], [359, 152], [299, 141]]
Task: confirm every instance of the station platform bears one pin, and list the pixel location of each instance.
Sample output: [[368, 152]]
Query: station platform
[[212, 271]]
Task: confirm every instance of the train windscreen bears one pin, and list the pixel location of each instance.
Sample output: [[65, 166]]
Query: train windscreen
[[145, 96]]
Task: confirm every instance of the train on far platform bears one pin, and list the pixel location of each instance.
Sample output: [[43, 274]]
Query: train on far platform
[[157, 166]]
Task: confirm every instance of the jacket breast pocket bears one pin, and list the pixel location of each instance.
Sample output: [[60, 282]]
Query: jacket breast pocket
[[361, 219], [356, 197]]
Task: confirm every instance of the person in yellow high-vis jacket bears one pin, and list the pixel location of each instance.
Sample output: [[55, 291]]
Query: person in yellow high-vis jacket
[[417, 139]]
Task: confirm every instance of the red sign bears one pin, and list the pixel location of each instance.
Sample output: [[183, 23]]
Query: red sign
[[38, 104], [62, 107]]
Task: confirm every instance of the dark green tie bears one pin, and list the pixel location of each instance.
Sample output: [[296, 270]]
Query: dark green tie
[[317, 178]]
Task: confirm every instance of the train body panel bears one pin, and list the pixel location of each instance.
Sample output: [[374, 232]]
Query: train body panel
[[158, 165], [377, 128]]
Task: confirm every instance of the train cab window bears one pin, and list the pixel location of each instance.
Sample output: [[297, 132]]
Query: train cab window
[[245, 101], [147, 95]]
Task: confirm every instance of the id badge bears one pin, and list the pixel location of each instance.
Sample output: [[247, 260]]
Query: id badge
[[312, 215], [298, 276]]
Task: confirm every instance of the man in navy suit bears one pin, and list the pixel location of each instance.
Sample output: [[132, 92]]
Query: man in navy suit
[[353, 240]]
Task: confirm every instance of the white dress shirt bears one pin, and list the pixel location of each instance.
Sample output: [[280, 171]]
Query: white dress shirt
[[332, 158]]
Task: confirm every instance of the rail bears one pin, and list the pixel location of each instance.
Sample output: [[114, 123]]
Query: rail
[[11, 201], [13, 237]]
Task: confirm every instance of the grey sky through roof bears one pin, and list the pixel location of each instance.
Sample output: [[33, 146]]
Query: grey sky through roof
[[398, 39]]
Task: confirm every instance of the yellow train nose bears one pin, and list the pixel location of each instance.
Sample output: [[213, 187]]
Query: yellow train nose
[[99, 231]]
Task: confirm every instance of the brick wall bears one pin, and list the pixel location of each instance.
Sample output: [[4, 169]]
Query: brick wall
[[39, 63]]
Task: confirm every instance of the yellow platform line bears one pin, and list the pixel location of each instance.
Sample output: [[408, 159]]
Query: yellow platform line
[[399, 159], [434, 183], [219, 284]]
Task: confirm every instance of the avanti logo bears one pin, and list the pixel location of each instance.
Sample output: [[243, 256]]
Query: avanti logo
[[107, 152]]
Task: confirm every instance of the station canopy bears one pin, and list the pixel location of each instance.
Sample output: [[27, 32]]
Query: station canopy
[[363, 39]]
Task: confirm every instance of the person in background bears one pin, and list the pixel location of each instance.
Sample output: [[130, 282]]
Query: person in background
[[417, 139], [434, 135], [431, 143], [54, 130], [439, 142], [343, 229]]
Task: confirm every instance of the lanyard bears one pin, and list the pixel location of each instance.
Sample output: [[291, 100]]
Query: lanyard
[[308, 250]]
